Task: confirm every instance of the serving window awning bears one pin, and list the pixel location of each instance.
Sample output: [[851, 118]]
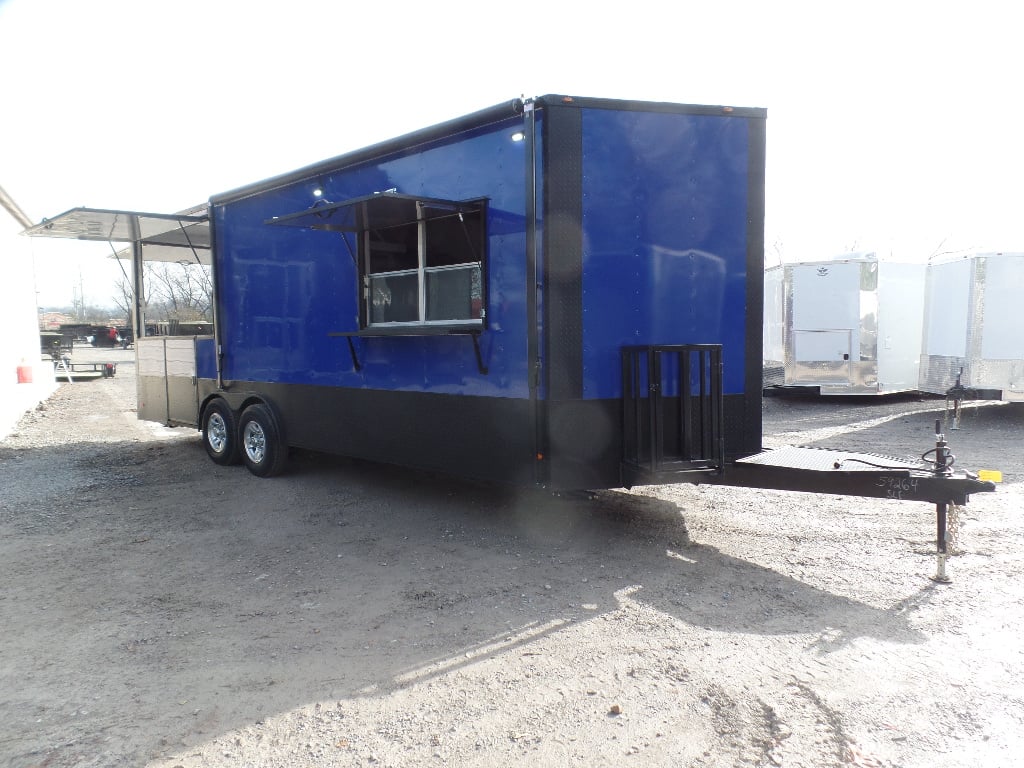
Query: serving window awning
[[162, 235], [379, 211]]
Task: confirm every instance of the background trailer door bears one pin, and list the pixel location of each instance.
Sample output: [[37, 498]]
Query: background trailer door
[[846, 326], [972, 340]]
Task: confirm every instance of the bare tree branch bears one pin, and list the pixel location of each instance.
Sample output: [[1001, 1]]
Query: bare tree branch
[[172, 292]]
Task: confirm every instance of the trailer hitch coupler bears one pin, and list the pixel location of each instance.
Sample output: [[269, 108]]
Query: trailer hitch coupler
[[943, 457]]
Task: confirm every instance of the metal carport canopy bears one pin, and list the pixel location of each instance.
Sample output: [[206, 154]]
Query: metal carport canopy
[[169, 237], [161, 235]]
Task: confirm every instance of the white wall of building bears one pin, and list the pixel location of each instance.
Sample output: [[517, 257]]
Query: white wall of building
[[25, 378]]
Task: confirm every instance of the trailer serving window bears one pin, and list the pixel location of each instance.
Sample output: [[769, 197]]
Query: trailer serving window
[[421, 261], [428, 269]]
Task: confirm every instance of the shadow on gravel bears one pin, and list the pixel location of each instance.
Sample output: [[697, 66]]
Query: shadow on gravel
[[155, 600], [701, 586]]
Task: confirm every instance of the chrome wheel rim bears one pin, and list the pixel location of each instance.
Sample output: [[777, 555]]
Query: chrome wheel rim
[[255, 441], [217, 432]]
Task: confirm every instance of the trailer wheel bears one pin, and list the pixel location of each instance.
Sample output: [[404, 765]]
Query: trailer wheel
[[219, 433], [262, 450]]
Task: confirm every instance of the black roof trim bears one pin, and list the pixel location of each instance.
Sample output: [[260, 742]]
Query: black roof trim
[[586, 102]]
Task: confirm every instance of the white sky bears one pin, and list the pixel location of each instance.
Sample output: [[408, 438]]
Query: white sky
[[890, 124]]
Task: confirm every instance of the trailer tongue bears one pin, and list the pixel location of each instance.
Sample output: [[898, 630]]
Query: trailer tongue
[[820, 470], [932, 479], [817, 470]]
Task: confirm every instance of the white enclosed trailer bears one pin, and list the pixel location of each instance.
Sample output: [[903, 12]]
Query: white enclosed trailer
[[846, 326], [774, 340], [974, 335]]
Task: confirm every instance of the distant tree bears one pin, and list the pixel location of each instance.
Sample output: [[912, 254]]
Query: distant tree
[[123, 298], [187, 289], [77, 313], [172, 291], [774, 254], [98, 315]]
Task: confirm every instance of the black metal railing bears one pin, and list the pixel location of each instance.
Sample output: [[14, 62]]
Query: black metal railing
[[672, 410]]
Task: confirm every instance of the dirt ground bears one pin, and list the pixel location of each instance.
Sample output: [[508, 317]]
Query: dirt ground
[[159, 610]]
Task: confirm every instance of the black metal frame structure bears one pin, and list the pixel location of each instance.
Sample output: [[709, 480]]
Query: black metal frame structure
[[672, 411]]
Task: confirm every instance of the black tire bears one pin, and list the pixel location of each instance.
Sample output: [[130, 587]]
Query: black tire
[[220, 433], [259, 440]]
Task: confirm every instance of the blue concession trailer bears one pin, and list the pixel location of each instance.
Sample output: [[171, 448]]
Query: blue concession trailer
[[560, 291], [482, 296]]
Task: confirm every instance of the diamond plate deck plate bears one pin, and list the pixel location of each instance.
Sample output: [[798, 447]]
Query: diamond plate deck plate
[[824, 460]]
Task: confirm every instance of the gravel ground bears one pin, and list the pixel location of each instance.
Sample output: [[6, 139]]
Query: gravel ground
[[160, 610]]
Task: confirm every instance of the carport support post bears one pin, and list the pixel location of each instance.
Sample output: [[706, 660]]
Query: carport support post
[[138, 318]]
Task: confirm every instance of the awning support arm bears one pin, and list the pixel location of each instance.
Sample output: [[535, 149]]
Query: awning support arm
[[189, 241], [114, 251], [355, 261]]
